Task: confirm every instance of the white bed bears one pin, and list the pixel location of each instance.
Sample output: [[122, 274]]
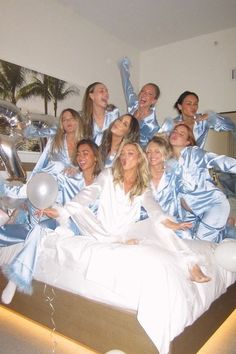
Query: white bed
[[140, 278]]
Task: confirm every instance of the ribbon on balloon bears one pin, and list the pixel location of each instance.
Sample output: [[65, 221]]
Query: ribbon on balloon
[[49, 299], [42, 190]]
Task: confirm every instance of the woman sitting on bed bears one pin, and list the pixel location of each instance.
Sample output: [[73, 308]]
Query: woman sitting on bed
[[158, 152], [122, 191], [202, 202], [89, 164], [56, 159]]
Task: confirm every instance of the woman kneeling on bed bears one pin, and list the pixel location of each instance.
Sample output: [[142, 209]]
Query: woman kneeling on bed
[[122, 190]]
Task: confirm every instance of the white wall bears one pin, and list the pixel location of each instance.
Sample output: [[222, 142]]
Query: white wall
[[51, 38], [201, 64]]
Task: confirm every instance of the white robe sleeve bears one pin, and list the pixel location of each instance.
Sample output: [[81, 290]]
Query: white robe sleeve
[[154, 210], [83, 199]]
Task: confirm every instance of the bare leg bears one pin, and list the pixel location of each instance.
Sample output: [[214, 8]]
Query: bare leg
[[8, 292], [197, 275]]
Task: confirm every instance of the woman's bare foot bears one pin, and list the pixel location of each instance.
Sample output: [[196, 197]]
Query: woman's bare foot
[[197, 275]]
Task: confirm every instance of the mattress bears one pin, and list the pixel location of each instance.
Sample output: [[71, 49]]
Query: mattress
[[140, 278]]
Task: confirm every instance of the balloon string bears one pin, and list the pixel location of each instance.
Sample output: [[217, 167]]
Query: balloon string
[[50, 300]]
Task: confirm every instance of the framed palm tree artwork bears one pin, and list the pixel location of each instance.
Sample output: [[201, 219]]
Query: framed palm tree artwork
[[38, 97]]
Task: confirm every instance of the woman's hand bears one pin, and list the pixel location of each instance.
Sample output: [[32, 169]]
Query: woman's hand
[[201, 117], [71, 171], [177, 226], [49, 212]]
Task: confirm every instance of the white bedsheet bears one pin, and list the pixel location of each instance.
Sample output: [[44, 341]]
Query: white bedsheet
[[141, 278]]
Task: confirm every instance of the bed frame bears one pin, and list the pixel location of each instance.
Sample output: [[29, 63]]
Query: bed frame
[[103, 327]]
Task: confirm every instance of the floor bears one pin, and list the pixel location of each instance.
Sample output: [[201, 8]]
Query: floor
[[19, 335], [223, 340]]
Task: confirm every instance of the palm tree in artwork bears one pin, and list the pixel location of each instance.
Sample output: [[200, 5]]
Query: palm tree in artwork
[[12, 78], [15, 85], [39, 87], [59, 90]]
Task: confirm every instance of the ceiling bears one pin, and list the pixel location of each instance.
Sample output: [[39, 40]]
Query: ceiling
[[152, 23]]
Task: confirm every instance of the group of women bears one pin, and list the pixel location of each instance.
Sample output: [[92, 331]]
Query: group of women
[[156, 175]]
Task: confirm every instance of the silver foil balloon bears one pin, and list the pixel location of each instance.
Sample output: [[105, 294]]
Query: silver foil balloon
[[12, 118], [43, 121], [46, 119], [12, 115], [9, 156]]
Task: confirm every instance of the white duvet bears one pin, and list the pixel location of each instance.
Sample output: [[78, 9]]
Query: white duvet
[[143, 278]]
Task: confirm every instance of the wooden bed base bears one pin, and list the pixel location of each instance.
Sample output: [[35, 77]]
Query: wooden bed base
[[102, 327]]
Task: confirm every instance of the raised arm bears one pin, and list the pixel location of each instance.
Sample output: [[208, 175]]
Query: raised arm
[[208, 160], [34, 132], [130, 96], [221, 123], [157, 215]]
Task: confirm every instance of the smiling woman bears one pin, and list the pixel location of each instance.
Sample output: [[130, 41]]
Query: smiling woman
[[124, 128], [142, 106], [96, 115]]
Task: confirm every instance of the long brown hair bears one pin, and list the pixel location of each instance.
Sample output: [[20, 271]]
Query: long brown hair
[[87, 110], [133, 135]]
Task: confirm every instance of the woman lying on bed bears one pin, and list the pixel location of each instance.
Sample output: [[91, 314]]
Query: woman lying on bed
[[122, 191]]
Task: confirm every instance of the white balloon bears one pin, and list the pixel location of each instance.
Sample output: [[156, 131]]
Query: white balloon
[[225, 255], [42, 190]]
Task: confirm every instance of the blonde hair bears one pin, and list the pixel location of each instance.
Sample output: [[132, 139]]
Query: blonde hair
[[142, 180], [163, 143], [58, 140]]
